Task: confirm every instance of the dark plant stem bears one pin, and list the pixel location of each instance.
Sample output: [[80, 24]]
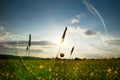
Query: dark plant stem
[[59, 50]]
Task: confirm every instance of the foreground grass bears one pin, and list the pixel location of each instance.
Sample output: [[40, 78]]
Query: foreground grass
[[15, 69]]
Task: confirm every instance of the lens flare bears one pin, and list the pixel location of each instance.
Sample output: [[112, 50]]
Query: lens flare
[[100, 17]]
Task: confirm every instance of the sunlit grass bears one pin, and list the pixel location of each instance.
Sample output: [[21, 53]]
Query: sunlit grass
[[54, 69]]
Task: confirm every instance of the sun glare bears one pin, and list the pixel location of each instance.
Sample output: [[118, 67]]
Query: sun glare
[[57, 40]]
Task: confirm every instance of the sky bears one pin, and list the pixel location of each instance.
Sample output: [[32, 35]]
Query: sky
[[93, 28]]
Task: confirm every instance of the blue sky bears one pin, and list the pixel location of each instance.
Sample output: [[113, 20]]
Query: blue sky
[[46, 20]]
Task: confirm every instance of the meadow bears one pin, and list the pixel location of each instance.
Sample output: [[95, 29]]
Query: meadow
[[56, 69]]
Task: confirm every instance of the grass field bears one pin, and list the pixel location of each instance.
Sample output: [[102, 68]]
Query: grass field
[[52, 69]]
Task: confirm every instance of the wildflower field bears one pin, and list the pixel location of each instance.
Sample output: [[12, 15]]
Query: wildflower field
[[56, 69]]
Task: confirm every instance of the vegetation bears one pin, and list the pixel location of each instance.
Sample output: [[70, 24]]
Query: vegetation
[[31, 68], [56, 69]]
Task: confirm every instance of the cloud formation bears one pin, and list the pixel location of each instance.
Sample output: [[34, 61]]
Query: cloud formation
[[38, 47], [11, 44], [108, 46], [82, 32], [110, 40], [77, 18], [44, 43], [2, 47], [89, 33], [3, 34], [113, 42]]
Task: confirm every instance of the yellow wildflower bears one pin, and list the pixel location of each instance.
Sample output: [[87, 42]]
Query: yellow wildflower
[[62, 62], [50, 70], [41, 67], [7, 74], [109, 70], [56, 74], [115, 72], [92, 74]]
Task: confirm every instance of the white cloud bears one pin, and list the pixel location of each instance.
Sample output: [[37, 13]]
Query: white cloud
[[94, 44], [75, 20], [4, 35], [111, 41], [108, 46], [83, 32], [98, 44], [90, 33]]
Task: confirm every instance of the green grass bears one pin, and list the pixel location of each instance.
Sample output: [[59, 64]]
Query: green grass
[[103, 69]]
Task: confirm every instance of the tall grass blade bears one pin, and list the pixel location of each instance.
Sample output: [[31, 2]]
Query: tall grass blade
[[29, 43], [72, 50], [63, 36], [27, 48]]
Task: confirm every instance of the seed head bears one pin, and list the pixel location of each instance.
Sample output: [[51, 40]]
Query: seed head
[[61, 54]]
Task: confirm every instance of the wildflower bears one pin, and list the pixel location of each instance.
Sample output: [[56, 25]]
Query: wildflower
[[107, 74], [109, 70], [92, 74], [62, 62], [56, 74], [7, 74], [115, 72], [41, 67], [11, 76], [50, 70]]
